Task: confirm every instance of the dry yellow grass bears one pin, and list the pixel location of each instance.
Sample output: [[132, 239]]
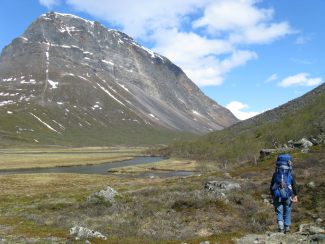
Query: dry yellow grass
[[24, 190], [170, 165], [45, 158], [13, 161], [161, 166]]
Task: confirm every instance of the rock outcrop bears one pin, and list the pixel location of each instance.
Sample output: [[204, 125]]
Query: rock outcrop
[[307, 233], [108, 194], [81, 233], [302, 143], [222, 186]]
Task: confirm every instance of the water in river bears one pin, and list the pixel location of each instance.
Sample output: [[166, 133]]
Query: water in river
[[100, 169]]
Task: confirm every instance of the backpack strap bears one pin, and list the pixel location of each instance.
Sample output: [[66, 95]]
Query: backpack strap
[[284, 167]]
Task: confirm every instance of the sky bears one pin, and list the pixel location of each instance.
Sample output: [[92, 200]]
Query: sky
[[247, 55]]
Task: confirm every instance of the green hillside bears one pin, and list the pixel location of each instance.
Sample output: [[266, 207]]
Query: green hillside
[[231, 145], [23, 128]]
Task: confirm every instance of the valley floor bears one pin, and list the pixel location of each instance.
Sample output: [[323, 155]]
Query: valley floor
[[41, 208]]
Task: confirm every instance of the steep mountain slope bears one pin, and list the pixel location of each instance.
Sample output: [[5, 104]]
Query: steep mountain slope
[[67, 79]]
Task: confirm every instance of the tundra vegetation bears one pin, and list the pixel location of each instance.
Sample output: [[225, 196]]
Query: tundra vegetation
[[159, 210], [231, 146], [178, 209]]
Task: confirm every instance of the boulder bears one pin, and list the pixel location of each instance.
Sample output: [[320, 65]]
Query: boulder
[[303, 142], [318, 221], [311, 184], [79, 232], [316, 230], [318, 238], [305, 150], [266, 152], [222, 186], [315, 141], [107, 194]]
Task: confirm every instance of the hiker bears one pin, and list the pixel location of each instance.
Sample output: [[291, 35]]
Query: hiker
[[284, 192]]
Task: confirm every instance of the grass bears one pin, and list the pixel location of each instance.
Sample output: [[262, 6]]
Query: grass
[[169, 165], [159, 210], [109, 128], [46, 158]]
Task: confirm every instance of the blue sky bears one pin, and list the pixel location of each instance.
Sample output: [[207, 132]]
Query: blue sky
[[247, 55]]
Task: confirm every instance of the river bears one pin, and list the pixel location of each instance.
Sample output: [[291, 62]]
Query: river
[[101, 169]]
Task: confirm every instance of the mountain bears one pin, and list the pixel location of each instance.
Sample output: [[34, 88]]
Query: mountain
[[303, 117], [67, 79], [274, 115]]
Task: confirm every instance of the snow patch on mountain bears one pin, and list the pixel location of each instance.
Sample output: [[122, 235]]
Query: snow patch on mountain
[[48, 126]]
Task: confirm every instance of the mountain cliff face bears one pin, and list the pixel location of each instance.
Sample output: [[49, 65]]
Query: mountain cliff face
[[66, 76]]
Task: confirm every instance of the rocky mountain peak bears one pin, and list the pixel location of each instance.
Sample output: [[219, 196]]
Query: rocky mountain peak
[[63, 62]]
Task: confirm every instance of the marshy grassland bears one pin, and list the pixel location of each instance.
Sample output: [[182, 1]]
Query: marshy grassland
[[165, 166], [158, 210], [11, 159]]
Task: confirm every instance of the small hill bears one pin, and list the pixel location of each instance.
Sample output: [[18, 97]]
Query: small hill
[[301, 117]]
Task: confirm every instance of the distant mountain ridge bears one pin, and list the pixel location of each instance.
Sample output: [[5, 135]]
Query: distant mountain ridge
[[276, 113], [66, 77]]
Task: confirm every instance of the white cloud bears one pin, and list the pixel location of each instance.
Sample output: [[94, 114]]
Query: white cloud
[[300, 80], [138, 18], [243, 21], [196, 55], [261, 33], [232, 15], [49, 3], [271, 78], [222, 27], [303, 39], [300, 61], [235, 108]]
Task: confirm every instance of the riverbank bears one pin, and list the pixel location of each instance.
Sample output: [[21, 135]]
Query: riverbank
[[165, 166], [14, 159]]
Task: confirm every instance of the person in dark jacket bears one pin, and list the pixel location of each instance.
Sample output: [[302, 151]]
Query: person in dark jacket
[[283, 207]]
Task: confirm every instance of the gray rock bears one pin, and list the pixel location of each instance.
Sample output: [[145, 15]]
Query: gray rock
[[107, 194], [318, 221], [303, 142], [316, 230], [303, 228], [79, 232], [311, 184], [315, 141], [222, 186], [319, 238], [205, 242], [266, 201], [305, 150], [321, 138], [227, 175]]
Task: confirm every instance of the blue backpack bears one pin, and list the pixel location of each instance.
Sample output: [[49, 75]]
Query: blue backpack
[[282, 177]]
